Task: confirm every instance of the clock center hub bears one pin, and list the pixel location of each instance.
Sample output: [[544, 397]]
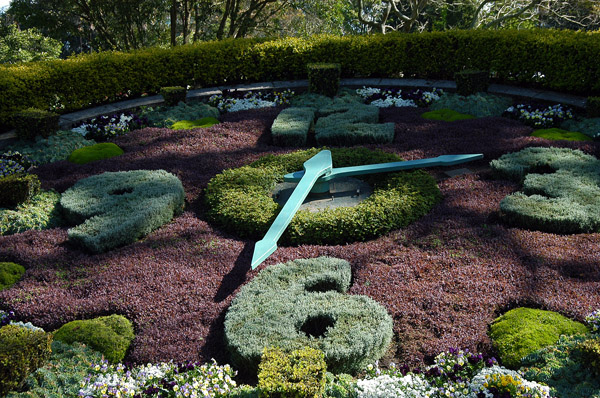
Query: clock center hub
[[343, 192]]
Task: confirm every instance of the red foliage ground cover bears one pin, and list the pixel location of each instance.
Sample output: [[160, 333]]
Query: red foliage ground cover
[[443, 279]]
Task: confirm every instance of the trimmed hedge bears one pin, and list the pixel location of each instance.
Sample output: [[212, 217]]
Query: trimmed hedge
[[299, 374], [303, 303], [173, 95], [32, 122], [110, 335], [521, 331], [470, 82], [324, 78], [240, 201], [552, 59], [117, 208], [356, 134], [291, 126], [10, 273], [22, 351], [18, 188], [87, 154], [560, 194]]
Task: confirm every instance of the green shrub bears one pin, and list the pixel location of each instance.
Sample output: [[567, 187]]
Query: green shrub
[[589, 127], [340, 386], [173, 95], [592, 106], [110, 335], [324, 78], [310, 100], [54, 148], [555, 134], [117, 208], [347, 114], [32, 122], [356, 134], [352, 330], [560, 194], [103, 150], [291, 126], [92, 78], [469, 82], [446, 115], [478, 105], [591, 352], [563, 368], [521, 331], [40, 212], [22, 351], [240, 200], [299, 374], [167, 116], [18, 188], [194, 124], [62, 375], [244, 391], [10, 273]]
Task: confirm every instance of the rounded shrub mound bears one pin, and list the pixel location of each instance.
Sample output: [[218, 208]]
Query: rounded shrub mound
[[555, 134], [22, 351], [104, 150], [446, 115], [194, 124], [117, 208], [240, 200], [478, 105], [109, 335], [521, 331], [10, 273], [561, 190], [303, 303]]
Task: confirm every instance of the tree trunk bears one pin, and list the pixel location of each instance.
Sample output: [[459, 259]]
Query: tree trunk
[[173, 22]]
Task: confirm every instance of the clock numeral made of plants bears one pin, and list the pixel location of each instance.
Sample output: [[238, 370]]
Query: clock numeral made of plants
[[318, 172]]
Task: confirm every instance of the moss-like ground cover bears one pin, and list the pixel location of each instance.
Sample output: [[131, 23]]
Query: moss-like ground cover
[[442, 278]]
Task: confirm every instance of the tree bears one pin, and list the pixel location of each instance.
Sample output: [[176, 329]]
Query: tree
[[26, 45]]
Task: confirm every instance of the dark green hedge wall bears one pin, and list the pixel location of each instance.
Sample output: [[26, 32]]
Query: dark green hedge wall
[[566, 61]]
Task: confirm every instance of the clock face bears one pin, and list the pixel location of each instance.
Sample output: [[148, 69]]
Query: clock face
[[317, 177]]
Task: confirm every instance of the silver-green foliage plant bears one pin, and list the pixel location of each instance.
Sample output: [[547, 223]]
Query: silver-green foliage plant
[[479, 105], [62, 375], [52, 149], [164, 116], [40, 212], [304, 303], [589, 127], [117, 208], [291, 126], [563, 368], [560, 194], [356, 134]]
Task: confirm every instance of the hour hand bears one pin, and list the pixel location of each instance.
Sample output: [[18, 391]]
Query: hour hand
[[315, 167]]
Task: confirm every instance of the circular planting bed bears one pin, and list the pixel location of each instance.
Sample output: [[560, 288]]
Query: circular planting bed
[[240, 200]]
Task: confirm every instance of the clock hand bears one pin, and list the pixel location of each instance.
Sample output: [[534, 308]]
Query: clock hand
[[444, 160], [314, 168]]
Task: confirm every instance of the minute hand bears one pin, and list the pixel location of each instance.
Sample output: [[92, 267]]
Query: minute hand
[[313, 169], [444, 160]]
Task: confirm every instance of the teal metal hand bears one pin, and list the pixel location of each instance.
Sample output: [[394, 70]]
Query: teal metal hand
[[315, 177], [322, 184], [314, 168]]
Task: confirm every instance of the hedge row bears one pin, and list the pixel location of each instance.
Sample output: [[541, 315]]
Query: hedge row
[[558, 60]]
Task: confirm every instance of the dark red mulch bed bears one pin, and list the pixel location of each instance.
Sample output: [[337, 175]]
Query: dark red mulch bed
[[443, 279]]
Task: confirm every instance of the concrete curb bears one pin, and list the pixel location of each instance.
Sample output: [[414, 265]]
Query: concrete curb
[[70, 119]]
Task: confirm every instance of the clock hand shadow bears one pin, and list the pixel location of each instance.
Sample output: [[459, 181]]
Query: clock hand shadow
[[237, 275]]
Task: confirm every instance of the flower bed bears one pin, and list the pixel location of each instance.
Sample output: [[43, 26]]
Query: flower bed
[[442, 279]]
